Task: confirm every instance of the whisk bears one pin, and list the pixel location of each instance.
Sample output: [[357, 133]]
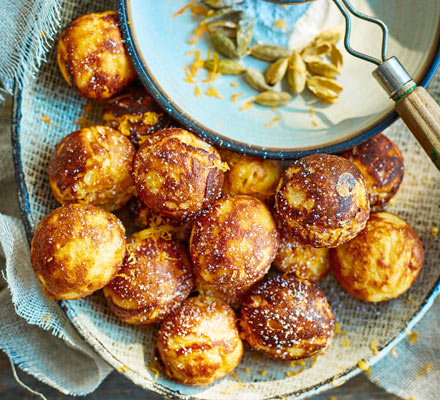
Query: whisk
[[413, 103]]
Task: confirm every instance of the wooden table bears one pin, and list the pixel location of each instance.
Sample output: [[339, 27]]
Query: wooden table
[[116, 387]]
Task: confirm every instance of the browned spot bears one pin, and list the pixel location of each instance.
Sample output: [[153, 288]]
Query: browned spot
[[381, 163], [323, 217], [304, 324]]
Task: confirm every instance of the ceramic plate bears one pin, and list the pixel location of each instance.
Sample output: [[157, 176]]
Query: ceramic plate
[[159, 46]]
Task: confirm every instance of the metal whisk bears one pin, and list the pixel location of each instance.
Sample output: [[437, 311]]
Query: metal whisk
[[414, 104]]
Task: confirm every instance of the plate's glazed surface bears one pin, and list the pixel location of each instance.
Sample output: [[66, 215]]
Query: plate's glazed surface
[[159, 47], [129, 349]]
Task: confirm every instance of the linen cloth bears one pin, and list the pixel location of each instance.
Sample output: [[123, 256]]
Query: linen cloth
[[35, 332], [44, 344]]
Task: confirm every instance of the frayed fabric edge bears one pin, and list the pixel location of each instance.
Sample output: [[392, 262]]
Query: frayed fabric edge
[[22, 63]]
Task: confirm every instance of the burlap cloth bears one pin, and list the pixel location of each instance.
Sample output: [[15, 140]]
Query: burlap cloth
[[38, 336]]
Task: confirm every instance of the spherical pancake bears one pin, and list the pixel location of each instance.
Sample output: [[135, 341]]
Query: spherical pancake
[[232, 297], [76, 250], [199, 343], [135, 114], [287, 318], [305, 261], [381, 163], [92, 57], [177, 174], [154, 279], [322, 199], [382, 262], [251, 176], [234, 242], [93, 166]]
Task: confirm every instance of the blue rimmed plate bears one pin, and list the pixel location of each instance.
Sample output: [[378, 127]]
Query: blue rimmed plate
[[159, 46]]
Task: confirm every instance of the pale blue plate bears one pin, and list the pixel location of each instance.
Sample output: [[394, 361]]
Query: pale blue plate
[[158, 45]]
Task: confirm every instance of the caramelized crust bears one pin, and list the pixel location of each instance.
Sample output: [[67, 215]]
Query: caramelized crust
[[154, 279], [287, 318], [92, 57], [251, 176], [382, 262], [234, 242], [199, 342], [93, 166], [380, 161], [177, 174], [306, 262], [322, 200], [76, 250], [135, 114]]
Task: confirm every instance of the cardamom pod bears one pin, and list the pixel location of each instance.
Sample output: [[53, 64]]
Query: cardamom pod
[[256, 80], [225, 67], [330, 36], [223, 44], [323, 69], [225, 13], [336, 56], [296, 73], [268, 52], [276, 71], [312, 52], [245, 33], [228, 28], [325, 88], [273, 99]]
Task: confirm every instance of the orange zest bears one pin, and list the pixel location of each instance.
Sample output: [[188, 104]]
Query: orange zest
[[183, 9]]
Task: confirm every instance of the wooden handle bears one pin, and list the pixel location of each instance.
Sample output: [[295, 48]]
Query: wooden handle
[[421, 114]]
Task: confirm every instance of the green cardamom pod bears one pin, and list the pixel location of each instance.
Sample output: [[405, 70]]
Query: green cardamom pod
[[296, 73], [323, 69], [256, 80], [273, 99], [223, 44], [225, 67], [245, 33], [225, 13], [276, 71], [268, 52], [228, 28]]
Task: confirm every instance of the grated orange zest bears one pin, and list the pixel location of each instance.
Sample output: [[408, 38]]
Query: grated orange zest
[[276, 119], [199, 10], [235, 96], [246, 105], [198, 32], [213, 92], [424, 370], [413, 336], [184, 8], [364, 366], [338, 330], [45, 118]]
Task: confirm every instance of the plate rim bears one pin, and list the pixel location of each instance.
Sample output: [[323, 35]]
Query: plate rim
[[212, 137], [132, 375]]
